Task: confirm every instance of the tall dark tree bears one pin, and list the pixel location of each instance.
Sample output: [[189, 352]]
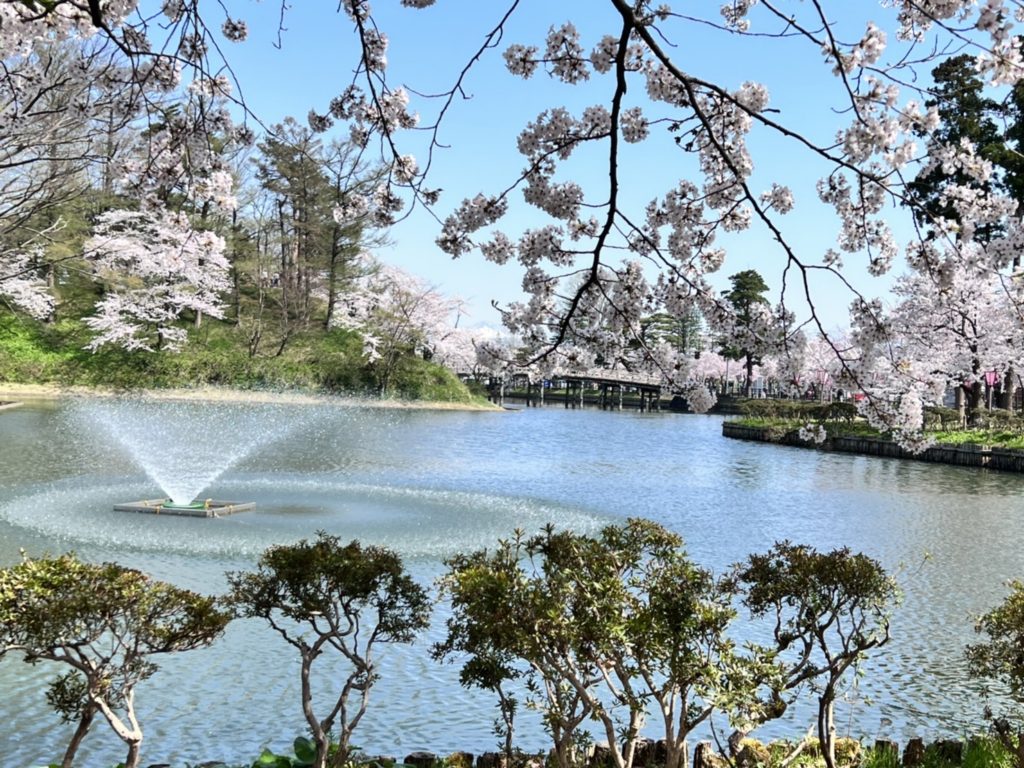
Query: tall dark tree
[[965, 113], [318, 251], [349, 178], [685, 333], [747, 297], [291, 168], [994, 128]]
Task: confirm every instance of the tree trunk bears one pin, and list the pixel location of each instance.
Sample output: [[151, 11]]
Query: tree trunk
[[508, 714], [317, 732], [132, 760], [1009, 389], [827, 727], [51, 287], [332, 280], [675, 753], [974, 400], [80, 732]]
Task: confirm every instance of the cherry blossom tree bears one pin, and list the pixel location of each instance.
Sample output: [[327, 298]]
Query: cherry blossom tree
[[397, 314], [90, 98], [814, 362], [459, 350], [158, 267], [21, 285]]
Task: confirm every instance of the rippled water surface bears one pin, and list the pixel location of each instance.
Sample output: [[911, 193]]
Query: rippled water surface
[[433, 483]]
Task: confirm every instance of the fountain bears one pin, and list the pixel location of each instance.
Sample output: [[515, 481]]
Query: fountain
[[382, 476], [207, 508], [185, 446]]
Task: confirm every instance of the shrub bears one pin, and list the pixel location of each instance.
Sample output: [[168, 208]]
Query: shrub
[[622, 616], [321, 596], [827, 610], [1000, 659], [105, 622]]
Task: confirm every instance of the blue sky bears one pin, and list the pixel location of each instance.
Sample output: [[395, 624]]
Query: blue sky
[[428, 48]]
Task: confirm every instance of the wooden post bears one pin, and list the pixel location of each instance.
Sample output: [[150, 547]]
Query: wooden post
[[703, 755]]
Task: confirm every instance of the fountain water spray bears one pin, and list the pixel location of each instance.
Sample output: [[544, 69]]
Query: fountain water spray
[[184, 446]]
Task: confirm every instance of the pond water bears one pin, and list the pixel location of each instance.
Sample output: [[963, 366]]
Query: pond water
[[432, 483]]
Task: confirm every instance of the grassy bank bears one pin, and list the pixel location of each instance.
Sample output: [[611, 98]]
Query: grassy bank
[[54, 356]]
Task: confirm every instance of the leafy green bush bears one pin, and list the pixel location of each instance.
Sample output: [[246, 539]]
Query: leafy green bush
[[304, 756], [417, 379], [799, 411], [939, 418], [1000, 659], [986, 752], [322, 596]]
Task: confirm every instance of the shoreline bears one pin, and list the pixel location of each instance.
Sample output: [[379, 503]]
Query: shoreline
[[962, 455], [12, 394]]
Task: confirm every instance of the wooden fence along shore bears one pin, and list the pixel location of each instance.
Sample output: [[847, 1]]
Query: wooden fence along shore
[[966, 455]]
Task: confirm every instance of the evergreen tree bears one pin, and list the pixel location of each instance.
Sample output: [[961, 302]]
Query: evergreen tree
[[966, 114], [750, 311]]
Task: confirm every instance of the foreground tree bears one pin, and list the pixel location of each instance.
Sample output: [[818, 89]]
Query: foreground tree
[[827, 610], [1000, 659], [321, 596], [603, 627], [105, 622]]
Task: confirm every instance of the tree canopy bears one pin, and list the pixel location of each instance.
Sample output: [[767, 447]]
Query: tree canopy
[[105, 622]]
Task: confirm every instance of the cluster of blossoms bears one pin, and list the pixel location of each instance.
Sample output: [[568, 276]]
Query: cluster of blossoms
[[813, 433], [699, 399], [779, 198], [395, 310], [472, 216], [21, 286], [859, 205]]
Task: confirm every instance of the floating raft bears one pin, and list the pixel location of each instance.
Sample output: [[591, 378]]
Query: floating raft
[[208, 508]]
